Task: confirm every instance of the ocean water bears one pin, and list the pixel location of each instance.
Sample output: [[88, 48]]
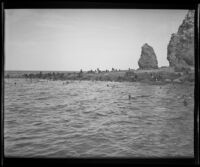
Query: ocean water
[[97, 119]]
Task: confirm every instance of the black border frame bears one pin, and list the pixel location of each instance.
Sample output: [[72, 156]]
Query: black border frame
[[137, 4]]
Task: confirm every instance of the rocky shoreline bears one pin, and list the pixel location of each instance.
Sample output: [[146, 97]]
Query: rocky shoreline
[[155, 76]]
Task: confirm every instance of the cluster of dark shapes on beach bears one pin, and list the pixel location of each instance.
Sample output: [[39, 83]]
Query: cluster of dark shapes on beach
[[157, 77]]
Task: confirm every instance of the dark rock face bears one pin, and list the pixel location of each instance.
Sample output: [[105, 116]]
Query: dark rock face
[[148, 58], [180, 51]]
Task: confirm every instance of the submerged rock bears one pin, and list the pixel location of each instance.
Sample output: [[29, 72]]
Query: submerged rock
[[180, 50], [148, 58]]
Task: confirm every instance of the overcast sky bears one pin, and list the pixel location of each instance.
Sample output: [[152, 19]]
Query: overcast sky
[[74, 39]]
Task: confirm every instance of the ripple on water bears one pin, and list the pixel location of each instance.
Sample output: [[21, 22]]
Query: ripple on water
[[91, 119]]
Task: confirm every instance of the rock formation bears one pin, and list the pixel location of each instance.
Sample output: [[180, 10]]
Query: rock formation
[[148, 58], [180, 51]]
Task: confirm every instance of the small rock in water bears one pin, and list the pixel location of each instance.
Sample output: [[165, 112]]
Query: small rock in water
[[185, 102]]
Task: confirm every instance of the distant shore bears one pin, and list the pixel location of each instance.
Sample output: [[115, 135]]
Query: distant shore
[[152, 76]]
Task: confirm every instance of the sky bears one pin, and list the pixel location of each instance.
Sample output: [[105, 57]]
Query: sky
[[74, 39]]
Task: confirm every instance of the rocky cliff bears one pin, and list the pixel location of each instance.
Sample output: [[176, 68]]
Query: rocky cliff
[[148, 58], [180, 50]]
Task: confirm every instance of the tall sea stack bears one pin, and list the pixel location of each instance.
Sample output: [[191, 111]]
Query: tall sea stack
[[180, 50], [148, 58]]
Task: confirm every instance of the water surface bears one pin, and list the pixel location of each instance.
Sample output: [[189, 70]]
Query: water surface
[[96, 119]]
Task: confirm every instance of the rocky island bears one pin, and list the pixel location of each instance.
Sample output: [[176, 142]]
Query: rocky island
[[148, 59]]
